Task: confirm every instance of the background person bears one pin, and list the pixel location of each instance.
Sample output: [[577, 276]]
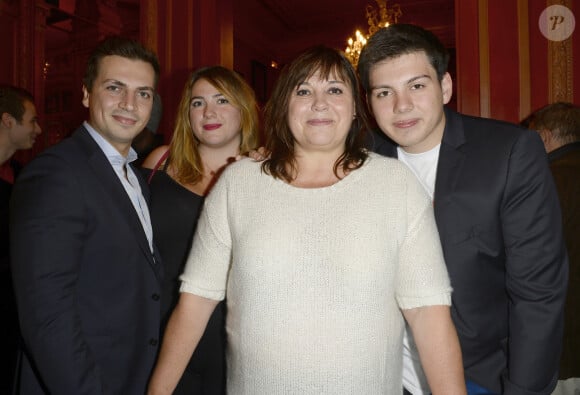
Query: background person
[[86, 274], [316, 250], [19, 129], [496, 209], [217, 120], [559, 127], [149, 139]]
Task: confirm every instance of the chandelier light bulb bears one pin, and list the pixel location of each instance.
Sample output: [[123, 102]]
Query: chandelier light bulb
[[377, 19]]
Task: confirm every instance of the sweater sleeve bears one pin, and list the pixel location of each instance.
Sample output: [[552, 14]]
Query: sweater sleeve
[[422, 276], [206, 268]]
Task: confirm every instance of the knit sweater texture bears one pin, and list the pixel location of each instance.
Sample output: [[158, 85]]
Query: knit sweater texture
[[316, 277]]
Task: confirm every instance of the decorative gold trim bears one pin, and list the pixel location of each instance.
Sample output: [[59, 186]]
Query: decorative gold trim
[[152, 22], [560, 55]]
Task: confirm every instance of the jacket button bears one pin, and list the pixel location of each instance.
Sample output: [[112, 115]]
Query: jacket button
[[155, 297], [153, 342]]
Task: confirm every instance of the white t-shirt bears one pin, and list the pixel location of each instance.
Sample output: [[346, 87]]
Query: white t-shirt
[[424, 166]]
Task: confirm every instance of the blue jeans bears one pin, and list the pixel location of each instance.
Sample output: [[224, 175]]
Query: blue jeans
[[472, 389], [475, 389]]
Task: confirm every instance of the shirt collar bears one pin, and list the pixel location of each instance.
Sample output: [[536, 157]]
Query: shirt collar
[[110, 152]]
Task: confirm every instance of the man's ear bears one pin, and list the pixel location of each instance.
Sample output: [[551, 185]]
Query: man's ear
[[85, 100], [549, 139], [446, 87], [7, 120], [546, 136]]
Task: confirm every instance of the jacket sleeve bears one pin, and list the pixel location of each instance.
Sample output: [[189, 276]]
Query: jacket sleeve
[[48, 226], [536, 270]]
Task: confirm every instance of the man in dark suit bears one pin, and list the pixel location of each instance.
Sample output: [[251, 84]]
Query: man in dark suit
[[559, 127], [19, 129], [86, 273], [496, 209]]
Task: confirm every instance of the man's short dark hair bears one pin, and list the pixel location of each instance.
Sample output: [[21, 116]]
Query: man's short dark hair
[[12, 100], [561, 118], [401, 39], [119, 46]]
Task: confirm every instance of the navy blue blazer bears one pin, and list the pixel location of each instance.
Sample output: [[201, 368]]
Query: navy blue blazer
[[499, 221], [87, 285]]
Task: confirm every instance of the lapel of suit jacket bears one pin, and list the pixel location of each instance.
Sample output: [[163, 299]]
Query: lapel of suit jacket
[[147, 195], [377, 142], [451, 159], [106, 175]]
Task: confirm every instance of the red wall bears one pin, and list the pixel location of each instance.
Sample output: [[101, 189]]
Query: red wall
[[503, 62], [191, 33], [538, 58], [501, 35]]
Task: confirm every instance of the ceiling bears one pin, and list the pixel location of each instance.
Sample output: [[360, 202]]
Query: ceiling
[[284, 27], [280, 29]]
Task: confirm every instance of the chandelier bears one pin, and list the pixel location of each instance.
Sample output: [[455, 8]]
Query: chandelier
[[376, 18]]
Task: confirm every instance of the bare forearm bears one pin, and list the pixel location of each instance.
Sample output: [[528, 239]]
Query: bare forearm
[[184, 329], [439, 349]]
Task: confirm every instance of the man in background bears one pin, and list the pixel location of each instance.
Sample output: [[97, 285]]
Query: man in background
[[559, 127], [149, 139], [18, 131], [19, 128], [496, 210], [87, 276]]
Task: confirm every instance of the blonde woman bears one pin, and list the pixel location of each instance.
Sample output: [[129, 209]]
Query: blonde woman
[[217, 120]]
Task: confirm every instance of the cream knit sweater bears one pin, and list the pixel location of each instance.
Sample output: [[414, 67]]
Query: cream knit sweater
[[315, 278]]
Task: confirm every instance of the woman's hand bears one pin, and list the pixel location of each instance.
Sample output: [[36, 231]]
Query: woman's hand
[[259, 154]]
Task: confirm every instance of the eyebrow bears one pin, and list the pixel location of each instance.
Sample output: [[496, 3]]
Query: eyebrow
[[329, 81], [201, 97], [139, 88], [418, 78], [409, 81]]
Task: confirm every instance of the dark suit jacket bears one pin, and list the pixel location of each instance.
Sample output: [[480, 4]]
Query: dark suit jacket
[[565, 167], [499, 222], [87, 284]]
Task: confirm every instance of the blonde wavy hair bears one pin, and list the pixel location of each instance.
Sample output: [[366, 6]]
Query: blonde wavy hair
[[184, 155]]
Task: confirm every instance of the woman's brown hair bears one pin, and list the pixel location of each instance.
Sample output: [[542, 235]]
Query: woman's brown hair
[[329, 63]]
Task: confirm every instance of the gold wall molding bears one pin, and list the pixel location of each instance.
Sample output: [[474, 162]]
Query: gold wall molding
[[484, 72], [560, 63], [149, 24], [561, 87]]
